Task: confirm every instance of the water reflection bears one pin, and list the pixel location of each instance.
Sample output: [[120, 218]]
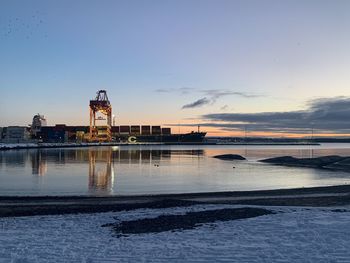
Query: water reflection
[[101, 162], [135, 156], [156, 169], [14, 158], [39, 163], [101, 171]]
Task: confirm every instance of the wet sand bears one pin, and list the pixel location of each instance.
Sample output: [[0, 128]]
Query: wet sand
[[53, 205]]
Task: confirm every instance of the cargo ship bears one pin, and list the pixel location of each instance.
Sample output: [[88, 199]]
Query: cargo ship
[[149, 134], [192, 137], [61, 133]]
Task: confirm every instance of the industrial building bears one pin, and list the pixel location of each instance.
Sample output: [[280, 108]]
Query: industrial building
[[16, 134]]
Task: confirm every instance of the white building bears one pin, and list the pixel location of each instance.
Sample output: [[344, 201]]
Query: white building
[[17, 134]]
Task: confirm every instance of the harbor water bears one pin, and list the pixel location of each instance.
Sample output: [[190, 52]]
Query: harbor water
[[136, 170]]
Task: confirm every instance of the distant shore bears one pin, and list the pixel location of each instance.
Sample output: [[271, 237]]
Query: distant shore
[[50, 205], [19, 146]]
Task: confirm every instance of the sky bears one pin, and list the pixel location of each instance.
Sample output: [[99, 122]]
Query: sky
[[273, 68]]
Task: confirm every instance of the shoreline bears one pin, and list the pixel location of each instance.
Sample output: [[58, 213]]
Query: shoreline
[[328, 196], [21, 146]]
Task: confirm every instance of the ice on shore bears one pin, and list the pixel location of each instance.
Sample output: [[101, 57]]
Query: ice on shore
[[291, 235]]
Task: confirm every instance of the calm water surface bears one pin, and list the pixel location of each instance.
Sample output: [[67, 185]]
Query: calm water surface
[[159, 169]]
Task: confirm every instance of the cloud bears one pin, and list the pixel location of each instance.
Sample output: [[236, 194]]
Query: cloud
[[323, 115], [214, 94], [162, 90], [196, 104], [211, 95], [223, 108], [182, 90]]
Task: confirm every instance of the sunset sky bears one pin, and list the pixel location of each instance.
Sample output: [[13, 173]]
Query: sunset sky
[[275, 68]]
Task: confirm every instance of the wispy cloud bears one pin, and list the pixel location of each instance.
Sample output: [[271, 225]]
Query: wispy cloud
[[218, 93], [196, 104], [162, 90], [211, 95], [223, 108], [182, 90]]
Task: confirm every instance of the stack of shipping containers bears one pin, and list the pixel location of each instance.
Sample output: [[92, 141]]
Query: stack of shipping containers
[[135, 130], [156, 130], [145, 130]]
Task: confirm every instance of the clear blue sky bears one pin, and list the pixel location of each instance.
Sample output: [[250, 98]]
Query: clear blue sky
[[154, 57]]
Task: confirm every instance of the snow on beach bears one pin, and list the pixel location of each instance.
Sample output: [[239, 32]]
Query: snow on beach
[[293, 234]]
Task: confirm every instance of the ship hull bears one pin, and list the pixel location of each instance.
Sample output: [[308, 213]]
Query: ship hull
[[194, 137]]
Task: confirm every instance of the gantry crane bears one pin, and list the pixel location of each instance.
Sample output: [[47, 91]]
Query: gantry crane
[[100, 104]]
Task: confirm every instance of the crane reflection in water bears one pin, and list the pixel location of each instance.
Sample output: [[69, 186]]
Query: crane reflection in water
[[101, 171]]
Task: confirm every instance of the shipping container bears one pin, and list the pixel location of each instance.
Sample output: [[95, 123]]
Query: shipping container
[[135, 130], [115, 129], [145, 130], [156, 130], [124, 129], [166, 131]]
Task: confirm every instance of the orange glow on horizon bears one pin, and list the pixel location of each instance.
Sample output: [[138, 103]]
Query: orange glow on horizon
[[212, 131]]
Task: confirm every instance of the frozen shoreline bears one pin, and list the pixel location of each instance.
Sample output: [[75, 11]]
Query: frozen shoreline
[[306, 225], [19, 146], [50, 205], [291, 234]]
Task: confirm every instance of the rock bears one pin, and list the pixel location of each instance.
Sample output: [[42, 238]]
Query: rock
[[331, 161], [280, 160], [229, 157], [341, 165]]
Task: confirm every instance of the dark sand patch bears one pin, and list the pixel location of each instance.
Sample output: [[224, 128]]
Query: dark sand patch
[[187, 221]]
